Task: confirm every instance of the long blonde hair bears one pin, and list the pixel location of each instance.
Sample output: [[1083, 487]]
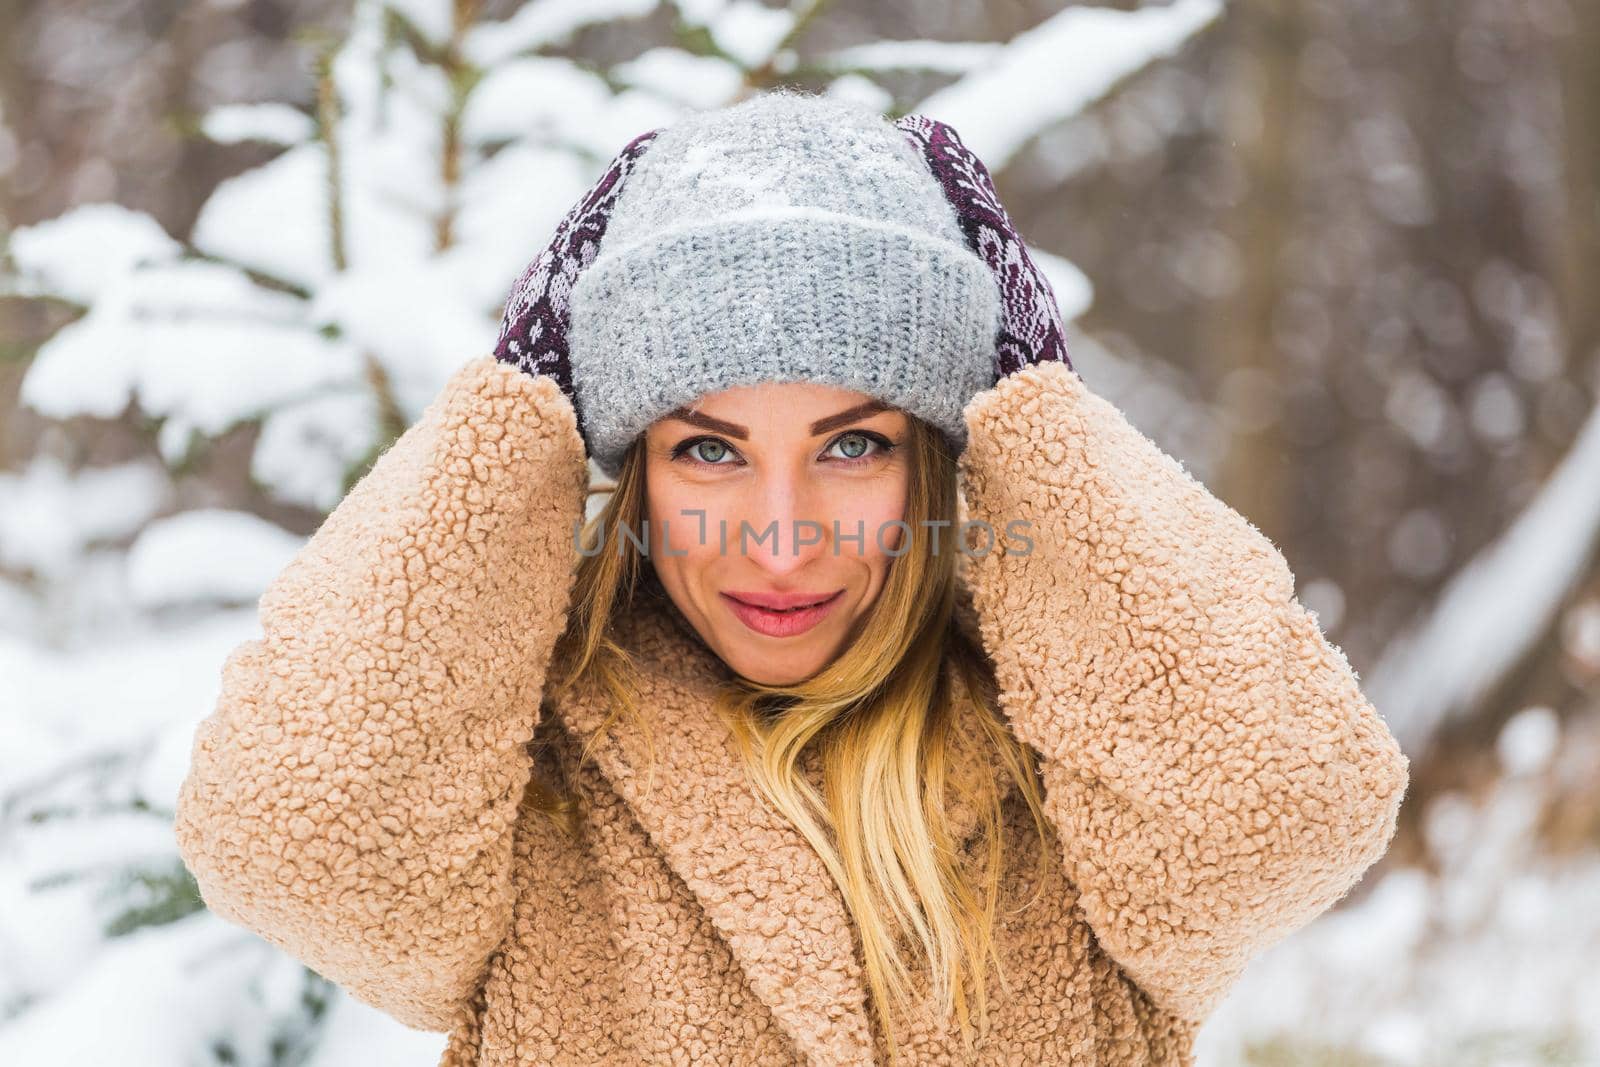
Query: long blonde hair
[[882, 719]]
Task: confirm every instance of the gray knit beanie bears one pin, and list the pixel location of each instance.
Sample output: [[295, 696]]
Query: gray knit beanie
[[788, 237]]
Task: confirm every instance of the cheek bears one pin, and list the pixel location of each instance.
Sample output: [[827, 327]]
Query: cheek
[[873, 513], [683, 528]]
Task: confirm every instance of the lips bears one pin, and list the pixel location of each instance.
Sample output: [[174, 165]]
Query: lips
[[782, 601], [781, 614]]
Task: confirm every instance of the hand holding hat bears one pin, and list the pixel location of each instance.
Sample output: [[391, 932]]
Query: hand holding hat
[[538, 315], [1030, 328]]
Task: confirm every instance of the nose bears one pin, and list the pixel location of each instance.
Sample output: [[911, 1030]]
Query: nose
[[788, 525]]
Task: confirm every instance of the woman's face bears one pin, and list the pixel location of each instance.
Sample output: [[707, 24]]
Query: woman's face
[[770, 496]]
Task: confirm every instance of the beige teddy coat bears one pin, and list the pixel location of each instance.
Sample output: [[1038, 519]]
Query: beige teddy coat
[[1214, 778]]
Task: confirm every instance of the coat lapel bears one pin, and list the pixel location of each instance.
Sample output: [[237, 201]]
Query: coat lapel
[[761, 883]]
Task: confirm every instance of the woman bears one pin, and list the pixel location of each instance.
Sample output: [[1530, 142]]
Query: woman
[[760, 769]]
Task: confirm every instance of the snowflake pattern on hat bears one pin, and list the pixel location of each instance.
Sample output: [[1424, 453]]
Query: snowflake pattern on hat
[[533, 329], [1031, 330]]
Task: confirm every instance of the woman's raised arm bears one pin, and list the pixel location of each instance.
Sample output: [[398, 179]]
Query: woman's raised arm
[[352, 799], [1214, 772]]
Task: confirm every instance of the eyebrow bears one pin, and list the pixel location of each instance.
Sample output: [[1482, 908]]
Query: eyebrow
[[733, 429]]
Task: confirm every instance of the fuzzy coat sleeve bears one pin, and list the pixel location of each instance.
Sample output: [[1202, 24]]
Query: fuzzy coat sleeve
[[1215, 775], [352, 797]]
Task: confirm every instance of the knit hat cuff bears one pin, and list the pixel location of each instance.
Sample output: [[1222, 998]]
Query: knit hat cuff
[[780, 294]]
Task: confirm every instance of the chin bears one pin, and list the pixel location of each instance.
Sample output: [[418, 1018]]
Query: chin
[[767, 669], [778, 680]]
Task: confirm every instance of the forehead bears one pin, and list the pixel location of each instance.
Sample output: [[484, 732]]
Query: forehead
[[808, 398], [780, 394]]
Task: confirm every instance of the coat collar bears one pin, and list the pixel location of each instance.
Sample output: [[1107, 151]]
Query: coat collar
[[761, 883]]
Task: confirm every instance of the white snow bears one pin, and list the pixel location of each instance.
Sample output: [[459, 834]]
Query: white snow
[[414, 318], [207, 372], [946, 57], [306, 448], [207, 555], [1057, 69], [860, 90], [1528, 742], [79, 254], [749, 31], [510, 205], [270, 218], [270, 123], [49, 514], [693, 81], [547, 23], [540, 95], [430, 18]]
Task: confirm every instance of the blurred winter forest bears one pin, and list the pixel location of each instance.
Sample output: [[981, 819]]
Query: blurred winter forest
[[1339, 256]]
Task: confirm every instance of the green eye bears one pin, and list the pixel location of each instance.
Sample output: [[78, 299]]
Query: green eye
[[711, 451], [859, 446]]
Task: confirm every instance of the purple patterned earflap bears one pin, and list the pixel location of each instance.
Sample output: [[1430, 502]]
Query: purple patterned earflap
[[1030, 325], [533, 329]]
